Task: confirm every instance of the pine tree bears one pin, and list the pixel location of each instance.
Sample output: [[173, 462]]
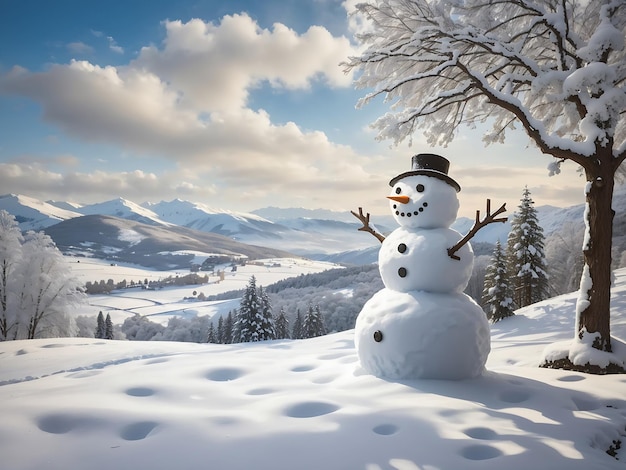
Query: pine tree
[[211, 338], [282, 325], [108, 327], [313, 324], [296, 332], [219, 335], [525, 253], [101, 327], [228, 328], [268, 329], [497, 293], [249, 323]]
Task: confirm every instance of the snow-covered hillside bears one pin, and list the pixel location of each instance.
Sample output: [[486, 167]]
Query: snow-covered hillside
[[307, 404], [161, 305]]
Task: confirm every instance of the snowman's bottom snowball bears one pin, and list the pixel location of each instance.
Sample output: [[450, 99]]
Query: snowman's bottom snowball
[[422, 335]]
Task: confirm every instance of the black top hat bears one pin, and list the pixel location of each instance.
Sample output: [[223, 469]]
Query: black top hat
[[429, 164]]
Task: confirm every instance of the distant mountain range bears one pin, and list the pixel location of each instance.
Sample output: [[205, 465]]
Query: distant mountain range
[[320, 234]]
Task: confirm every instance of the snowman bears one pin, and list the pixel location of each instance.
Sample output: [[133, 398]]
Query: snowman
[[421, 325]]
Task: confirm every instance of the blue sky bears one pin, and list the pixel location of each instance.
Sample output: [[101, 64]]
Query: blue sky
[[235, 104]]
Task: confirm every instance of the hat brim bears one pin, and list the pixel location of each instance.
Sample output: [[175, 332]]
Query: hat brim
[[427, 172]]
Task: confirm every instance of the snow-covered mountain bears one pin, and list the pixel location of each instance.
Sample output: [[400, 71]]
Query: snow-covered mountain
[[124, 209], [33, 214], [321, 233], [207, 219]]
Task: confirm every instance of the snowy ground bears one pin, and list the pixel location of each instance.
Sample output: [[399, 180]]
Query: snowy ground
[[93, 404], [161, 305]]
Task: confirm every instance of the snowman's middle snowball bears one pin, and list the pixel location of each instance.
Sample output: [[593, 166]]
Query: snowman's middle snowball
[[414, 259]]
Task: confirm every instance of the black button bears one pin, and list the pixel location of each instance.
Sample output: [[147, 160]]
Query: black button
[[378, 336], [401, 247], [402, 272]]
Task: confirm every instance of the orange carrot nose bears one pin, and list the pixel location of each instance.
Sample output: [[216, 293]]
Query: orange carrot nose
[[401, 199]]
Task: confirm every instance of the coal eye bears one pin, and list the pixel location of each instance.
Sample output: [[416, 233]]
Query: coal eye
[[420, 188], [398, 190]]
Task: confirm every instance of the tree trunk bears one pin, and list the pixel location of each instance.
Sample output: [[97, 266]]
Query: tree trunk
[[594, 308]]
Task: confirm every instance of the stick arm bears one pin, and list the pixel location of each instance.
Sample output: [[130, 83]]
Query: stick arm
[[478, 224], [365, 220]]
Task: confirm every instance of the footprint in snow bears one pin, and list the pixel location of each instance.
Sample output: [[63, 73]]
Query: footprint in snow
[[137, 431], [310, 409], [140, 391], [303, 368], [571, 378], [480, 452], [481, 433], [63, 423], [385, 429], [514, 396], [224, 374]]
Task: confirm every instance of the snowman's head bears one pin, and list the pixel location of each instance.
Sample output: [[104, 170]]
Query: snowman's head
[[421, 201]]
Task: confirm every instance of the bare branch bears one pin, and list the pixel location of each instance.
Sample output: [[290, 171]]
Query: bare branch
[[478, 224], [365, 220]]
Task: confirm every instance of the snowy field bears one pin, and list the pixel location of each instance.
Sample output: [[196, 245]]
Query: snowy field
[[92, 404], [161, 305]]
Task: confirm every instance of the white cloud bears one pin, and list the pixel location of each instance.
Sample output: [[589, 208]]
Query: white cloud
[[114, 46], [79, 48], [186, 102], [215, 66]]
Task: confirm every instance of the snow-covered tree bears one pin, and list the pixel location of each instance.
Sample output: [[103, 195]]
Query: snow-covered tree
[[497, 294], [10, 256], [313, 323], [565, 258], [296, 332], [228, 328], [211, 336], [108, 327], [525, 253], [219, 332], [554, 67], [268, 328], [47, 290], [282, 325], [139, 328], [251, 322], [100, 326]]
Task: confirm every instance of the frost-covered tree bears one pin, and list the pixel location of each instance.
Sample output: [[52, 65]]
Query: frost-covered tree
[[100, 326], [296, 332], [282, 325], [47, 290], [139, 328], [313, 323], [554, 67], [10, 255], [525, 253], [497, 294], [565, 258], [85, 326], [108, 327]]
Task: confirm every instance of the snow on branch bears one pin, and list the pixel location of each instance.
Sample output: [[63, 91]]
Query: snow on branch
[[556, 68]]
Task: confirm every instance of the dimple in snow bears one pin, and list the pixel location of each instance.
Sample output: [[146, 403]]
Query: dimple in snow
[[421, 325]]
